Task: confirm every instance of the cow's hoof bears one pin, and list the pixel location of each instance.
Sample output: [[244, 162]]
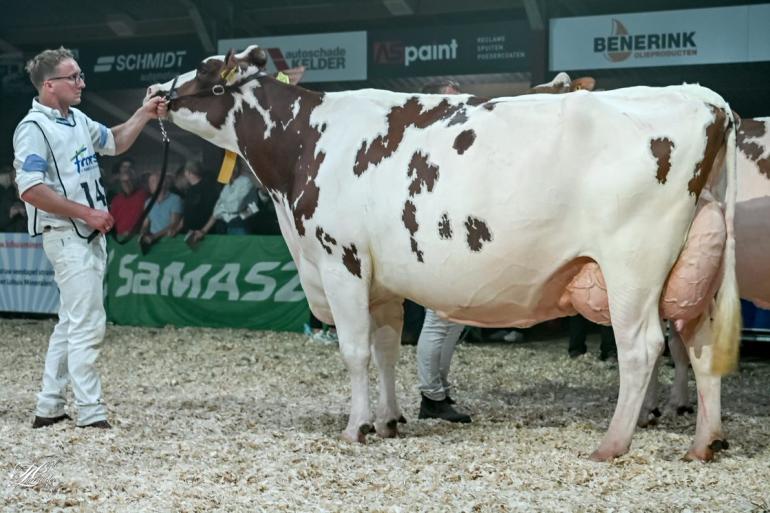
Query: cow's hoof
[[389, 429], [719, 445], [648, 419], [358, 436], [707, 453], [686, 409]]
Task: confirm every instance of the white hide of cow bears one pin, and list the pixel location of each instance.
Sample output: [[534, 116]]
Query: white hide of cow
[[752, 252], [484, 210]]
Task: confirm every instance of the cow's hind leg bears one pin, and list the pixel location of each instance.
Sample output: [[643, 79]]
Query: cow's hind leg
[[639, 339], [679, 400], [387, 320], [650, 411], [708, 428]]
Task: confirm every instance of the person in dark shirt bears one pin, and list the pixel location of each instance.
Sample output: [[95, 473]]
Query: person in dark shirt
[[199, 201], [13, 215]]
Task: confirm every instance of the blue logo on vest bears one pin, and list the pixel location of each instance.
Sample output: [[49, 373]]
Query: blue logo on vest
[[84, 162]]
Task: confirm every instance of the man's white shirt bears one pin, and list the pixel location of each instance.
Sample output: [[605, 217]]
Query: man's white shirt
[[74, 141]]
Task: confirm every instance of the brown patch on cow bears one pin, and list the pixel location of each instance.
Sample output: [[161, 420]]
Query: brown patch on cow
[[287, 162], [661, 150], [444, 227], [464, 140], [409, 218], [351, 260], [754, 129], [325, 239], [478, 232], [750, 128], [715, 136], [459, 118], [399, 119], [473, 101], [422, 174]]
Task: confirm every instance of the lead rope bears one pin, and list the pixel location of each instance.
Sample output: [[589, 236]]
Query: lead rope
[[154, 198]]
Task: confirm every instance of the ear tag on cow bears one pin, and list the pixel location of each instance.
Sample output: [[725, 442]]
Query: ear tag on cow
[[229, 75], [283, 77], [226, 171]]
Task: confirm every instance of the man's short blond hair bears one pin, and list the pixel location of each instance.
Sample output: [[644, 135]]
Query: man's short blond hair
[[43, 65]]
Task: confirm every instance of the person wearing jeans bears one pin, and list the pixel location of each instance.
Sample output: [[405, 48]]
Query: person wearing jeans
[[58, 177], [435, 348]]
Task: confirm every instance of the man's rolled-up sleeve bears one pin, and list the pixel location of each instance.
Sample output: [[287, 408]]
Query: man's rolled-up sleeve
[[30, 157], [102, 137]]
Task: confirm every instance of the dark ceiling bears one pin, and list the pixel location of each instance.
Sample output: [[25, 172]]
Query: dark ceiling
[[57, 21]]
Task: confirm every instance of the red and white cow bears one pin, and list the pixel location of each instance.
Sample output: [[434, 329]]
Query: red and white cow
[[752, 247], [484, 210]]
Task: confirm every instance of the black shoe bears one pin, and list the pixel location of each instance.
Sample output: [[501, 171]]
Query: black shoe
[[100, 424], [574, 353], [430, 409], [449, 400], [48, 421], [610, 355]]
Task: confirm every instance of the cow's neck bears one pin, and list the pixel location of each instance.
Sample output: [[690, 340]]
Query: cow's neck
[[280, 144]]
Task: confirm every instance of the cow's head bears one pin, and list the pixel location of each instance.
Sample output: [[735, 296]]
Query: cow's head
[[563, 84], [202, 99]]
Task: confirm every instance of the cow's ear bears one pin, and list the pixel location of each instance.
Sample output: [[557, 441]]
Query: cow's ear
[[295, 74], [230, 69], [587, 83], [257, 57]]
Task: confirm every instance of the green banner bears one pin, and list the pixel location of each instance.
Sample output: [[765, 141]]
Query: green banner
[[228, 281]]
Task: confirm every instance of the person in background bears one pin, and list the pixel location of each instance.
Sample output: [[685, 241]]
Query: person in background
[[199, 202], [112, 183], [227, 210], [437, 341], [165, 214], [578, 330], [58, 177], [127, 206], [13, 215], [181, 184], [258, 210]]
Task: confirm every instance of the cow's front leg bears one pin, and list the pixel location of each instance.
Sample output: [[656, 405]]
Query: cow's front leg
[[679, 400], [387, 320], [348, 297], [708, 428]]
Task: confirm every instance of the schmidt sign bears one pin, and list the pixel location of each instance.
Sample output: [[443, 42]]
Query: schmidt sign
[[333, 57], [137, 64], [665, 38]]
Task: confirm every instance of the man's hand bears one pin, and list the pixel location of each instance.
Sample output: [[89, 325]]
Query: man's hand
[[155, 108], [99, 220], [197, 235]]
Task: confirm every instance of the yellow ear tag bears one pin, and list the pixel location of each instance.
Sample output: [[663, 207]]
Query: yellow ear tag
[[229, 75], [282, 77], [226, 171]]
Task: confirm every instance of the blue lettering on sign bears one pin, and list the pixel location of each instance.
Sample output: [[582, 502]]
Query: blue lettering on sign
[[84, 162]]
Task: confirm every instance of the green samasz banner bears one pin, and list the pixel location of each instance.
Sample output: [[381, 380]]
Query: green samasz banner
[[227, 281]]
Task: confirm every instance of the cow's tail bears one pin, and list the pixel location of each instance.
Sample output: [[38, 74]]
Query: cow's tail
[[727, 315]]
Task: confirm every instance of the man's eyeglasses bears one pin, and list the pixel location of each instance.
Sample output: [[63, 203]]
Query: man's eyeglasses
[[74, 78]]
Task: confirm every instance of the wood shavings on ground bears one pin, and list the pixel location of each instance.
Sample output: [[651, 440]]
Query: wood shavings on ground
[[231, 420]]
